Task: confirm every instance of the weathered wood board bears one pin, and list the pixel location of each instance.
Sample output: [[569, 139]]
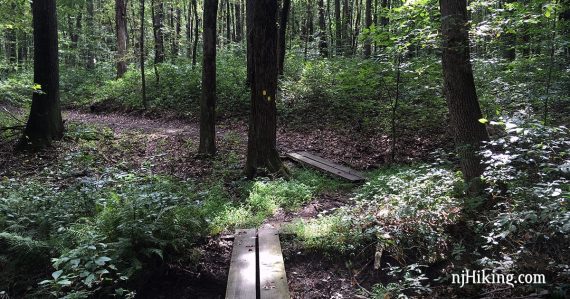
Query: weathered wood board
[[327, 166], [272, 276], [242, 280]]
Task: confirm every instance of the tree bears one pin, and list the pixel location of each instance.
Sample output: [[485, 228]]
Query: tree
[[157, 20], [262, 136], [44, 122], [208, 100], [121, 30], [283, 17], [323, 46], [338, 27], [196, 26], [141, 42], [459, 90], [368, 24], [91, 34]]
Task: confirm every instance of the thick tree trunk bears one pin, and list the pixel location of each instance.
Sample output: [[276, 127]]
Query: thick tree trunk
[[44, 123], [459, 90], [283, 18], [357, 24], [338, 27], [208, 100], [262, 152], [323, 46], [157, 21], [121, 30], [368, 24]]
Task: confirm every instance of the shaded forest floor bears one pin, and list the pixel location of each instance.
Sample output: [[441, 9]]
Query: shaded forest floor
[[168, 147]]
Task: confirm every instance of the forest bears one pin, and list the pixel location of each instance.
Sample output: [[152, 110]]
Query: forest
[[137, 136]]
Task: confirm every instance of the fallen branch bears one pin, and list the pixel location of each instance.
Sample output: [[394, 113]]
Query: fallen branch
[[12, 115]]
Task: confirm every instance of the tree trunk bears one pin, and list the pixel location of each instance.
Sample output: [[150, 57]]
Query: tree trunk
[[368, 24], [283, 18], [177, 29], [208, 100], [249, 35], [239, 25], [346, 28], [157, 19], [189, 31], [459, 90], [323, 47], [356, 31], [44, 123], [196, 27], [338, 27], [262, 152], [228, 22], [141, 43], [91, 34], [121, 30]]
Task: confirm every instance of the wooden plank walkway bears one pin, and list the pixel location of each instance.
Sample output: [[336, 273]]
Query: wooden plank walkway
[[243, 267], [258, 273], [327, 166]]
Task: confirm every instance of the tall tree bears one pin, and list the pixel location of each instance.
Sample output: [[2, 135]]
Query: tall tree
[[91, 34], [249, 6], [121, 30], [239, 23], [338, 27], [157, 22], [44, 122], [262, 137], [141, 43], [283, 18], [208, 100], [459, 90], [196, 26], [323, 46], [346, 16], [367, 24]]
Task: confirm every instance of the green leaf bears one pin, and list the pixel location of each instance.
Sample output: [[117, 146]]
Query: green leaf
[[102, 260], [483, 120], [56, 274]]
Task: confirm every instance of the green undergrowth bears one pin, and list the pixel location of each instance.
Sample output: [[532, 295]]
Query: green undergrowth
[[423, 227], [93, 229]]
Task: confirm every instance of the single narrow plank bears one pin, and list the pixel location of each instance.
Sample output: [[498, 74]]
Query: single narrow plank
[[331, 164], [325, 167], [272, 276], [242, 275]]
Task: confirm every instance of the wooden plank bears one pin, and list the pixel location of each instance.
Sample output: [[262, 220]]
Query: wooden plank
[[332, 164], [325, 167], [272, 277], [243, 268]]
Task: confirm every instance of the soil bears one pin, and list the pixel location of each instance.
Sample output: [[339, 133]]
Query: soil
[[169, 146]]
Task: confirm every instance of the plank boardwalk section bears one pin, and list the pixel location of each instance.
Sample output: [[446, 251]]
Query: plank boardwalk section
[[327, 166], [257, 269]]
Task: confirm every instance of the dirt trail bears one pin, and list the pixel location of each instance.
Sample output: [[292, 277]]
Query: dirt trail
[[122, 123]]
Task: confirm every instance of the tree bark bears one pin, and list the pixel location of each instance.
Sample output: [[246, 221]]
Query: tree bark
[[283, 19], [338, 27], [121, 30], [368, 24], [141, 43], [196, 27], [346, 28], [157, 21], [262, 152], [228, 22], [239, 25], [323, 46], [44, 122], [459, 90], [249, 35], [208, 100]]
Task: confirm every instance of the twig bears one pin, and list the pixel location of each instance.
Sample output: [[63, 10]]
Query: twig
[[12, 115]]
